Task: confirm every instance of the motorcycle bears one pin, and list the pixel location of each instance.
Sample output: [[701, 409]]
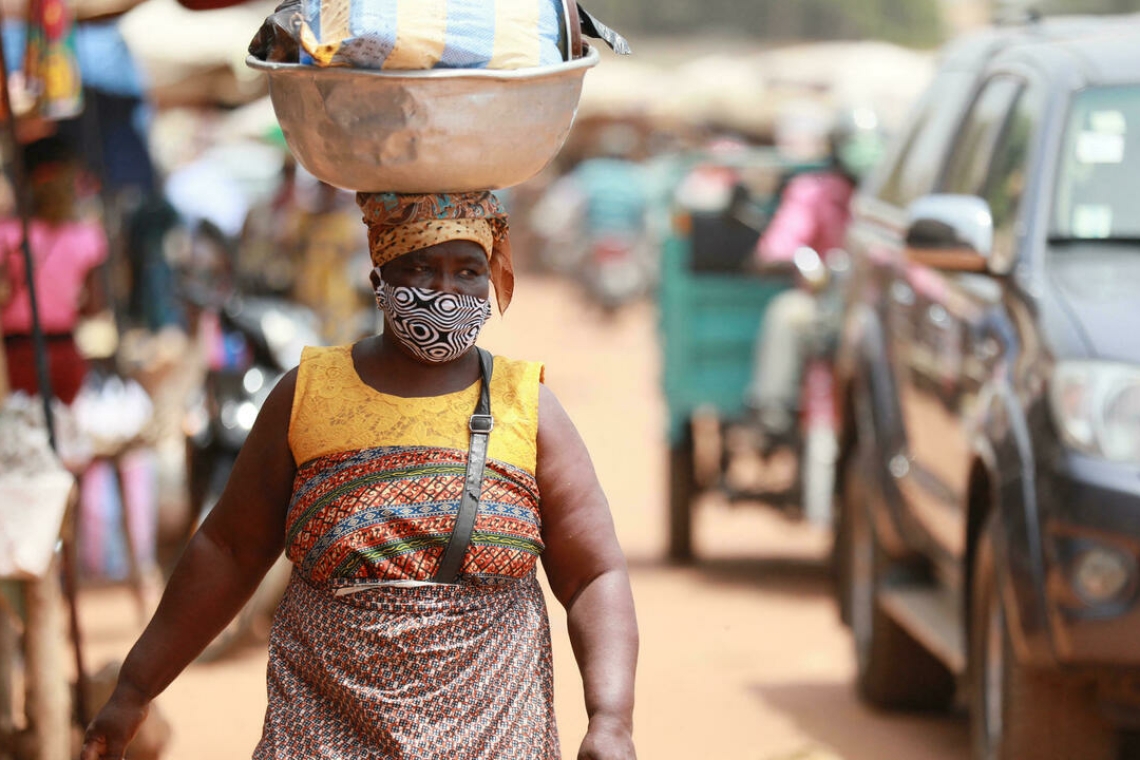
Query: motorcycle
[[251, 342], [617, 271], [819, 423], [796, 470]]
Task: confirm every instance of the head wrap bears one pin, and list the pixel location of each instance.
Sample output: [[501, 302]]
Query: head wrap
[[400, 223]]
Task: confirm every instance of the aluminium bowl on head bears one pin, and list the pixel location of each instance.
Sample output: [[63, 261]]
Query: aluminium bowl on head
[[432, 131]]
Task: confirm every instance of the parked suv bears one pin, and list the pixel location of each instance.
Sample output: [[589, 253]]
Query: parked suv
[[988, 519]]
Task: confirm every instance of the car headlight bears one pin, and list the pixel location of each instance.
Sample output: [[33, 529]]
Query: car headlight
[[1097, 408]]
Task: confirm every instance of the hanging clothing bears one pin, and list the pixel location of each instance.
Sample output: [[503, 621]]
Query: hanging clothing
[[63, 255], [369, 660]]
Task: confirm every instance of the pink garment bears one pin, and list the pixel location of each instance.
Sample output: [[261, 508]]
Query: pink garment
[[814, 210], [63, 256]]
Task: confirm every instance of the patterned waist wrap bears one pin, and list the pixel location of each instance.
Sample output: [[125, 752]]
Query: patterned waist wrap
[[443, 671]]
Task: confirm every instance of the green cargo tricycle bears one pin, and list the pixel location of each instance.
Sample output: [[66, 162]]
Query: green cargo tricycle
[[712, 303]]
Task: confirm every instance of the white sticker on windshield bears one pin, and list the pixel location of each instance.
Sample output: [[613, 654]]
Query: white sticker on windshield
[[1092, 221], [1108, 122], [1100, 148]]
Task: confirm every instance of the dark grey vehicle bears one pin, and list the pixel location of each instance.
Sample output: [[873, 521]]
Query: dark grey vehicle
[[988, 524]]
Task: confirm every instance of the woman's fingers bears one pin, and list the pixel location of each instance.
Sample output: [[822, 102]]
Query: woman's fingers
[[94, 748]]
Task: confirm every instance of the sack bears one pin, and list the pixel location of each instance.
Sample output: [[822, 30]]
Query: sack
[[34, 491], [427, 34]]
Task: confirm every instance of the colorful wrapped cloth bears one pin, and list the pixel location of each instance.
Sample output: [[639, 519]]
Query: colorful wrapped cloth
[[426, 34], [401, 223], [441, 671]]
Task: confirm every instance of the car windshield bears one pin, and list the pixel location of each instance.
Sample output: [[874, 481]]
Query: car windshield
[[1098, 190]]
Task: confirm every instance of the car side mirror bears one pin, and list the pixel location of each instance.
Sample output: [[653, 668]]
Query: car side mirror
[[950, 232]]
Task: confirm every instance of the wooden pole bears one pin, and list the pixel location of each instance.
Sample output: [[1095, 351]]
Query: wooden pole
[[48, 705], [8, 651]]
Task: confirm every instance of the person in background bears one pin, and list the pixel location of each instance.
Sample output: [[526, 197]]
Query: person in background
[[356, 469], [330, 255], [595, 218], [813, 212], [67, 254]]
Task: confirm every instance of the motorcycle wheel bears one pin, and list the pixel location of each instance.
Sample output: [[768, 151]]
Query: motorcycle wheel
[[817, 476]]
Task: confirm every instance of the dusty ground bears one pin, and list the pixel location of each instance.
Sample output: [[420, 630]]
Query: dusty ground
[[742, 655]]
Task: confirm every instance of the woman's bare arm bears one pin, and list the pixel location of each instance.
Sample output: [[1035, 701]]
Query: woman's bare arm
[[219, 570], [587, 573]]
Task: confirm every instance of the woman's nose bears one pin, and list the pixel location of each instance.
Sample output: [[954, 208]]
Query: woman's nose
[[446, 283]]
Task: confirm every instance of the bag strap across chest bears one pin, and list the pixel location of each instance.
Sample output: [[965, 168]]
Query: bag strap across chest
[[480, 426]]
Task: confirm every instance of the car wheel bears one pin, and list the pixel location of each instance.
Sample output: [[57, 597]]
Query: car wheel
[[1017, 712], [893, 670], [682, 491]]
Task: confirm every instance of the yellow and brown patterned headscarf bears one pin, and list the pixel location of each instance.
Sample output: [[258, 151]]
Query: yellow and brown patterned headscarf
[[400, 223]]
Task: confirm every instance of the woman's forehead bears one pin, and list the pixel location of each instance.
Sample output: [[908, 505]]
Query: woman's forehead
[[459, 250]]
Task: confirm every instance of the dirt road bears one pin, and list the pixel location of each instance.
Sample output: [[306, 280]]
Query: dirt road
[[742, 655]]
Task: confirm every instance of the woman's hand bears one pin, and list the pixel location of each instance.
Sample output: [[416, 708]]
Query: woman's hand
[[116, 724], [606, 739]]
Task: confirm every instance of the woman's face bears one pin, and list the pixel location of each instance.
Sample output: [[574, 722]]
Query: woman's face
[[454, 266]]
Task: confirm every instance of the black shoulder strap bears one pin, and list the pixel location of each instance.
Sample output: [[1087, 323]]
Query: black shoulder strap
[[480, 425]]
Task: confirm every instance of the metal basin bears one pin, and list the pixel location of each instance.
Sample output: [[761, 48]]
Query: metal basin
[[434, 131]]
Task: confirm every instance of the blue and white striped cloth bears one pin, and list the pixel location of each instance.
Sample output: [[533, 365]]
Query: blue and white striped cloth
[[427, 34]]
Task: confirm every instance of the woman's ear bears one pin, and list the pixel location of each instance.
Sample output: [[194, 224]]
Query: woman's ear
[[374, 278]]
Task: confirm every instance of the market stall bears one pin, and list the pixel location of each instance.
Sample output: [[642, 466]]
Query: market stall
[[38, 495]]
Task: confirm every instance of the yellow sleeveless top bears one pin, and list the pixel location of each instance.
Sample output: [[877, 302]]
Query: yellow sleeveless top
[[379, 477]]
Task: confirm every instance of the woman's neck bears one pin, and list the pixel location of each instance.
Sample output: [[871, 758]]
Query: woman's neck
[[387, 368]]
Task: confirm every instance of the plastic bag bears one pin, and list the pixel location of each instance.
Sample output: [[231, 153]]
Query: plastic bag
[[34, 491], [426, 34], [112, 412]]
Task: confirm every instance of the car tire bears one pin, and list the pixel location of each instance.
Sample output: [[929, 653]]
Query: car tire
[[682, 492], [1018, 712], [893, 671]]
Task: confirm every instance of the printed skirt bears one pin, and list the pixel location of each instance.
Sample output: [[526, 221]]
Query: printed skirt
[[462, 672]]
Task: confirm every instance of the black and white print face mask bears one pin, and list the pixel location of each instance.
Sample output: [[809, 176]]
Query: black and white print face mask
[[435, 326]]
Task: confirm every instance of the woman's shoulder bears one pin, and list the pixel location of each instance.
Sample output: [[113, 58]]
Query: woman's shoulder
[[314, 355], [328, 366], [519, 369]]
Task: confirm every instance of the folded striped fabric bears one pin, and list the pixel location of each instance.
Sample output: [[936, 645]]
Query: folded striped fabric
[[428, 34]]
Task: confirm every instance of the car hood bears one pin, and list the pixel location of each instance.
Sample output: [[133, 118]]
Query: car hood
[[1098, 289]]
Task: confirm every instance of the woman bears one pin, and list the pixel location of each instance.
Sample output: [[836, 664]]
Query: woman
[[67, 254], [356, 467]]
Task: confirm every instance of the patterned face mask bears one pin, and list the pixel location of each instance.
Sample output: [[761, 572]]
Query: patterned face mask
[[435, 326]]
